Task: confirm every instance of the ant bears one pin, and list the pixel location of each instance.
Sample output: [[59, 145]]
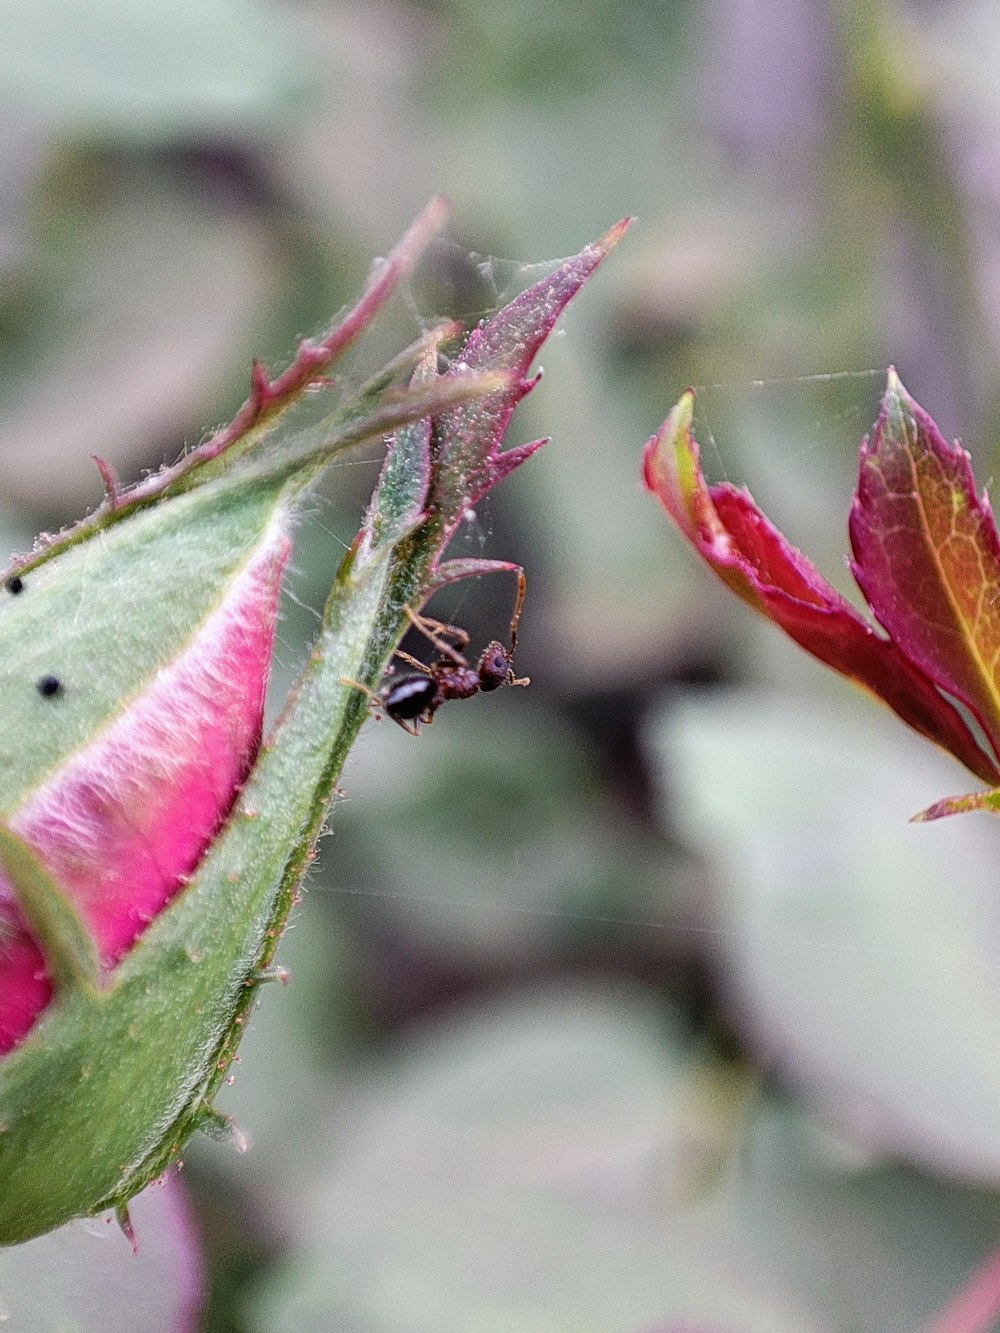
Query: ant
[[415, 698]]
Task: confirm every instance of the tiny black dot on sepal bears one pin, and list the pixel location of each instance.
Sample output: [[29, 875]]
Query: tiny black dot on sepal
[[15, 584], [47, 686]]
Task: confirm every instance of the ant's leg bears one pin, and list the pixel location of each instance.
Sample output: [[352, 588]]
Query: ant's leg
[[412, 661], [429, 627], [522, 588], [436, 633], [445, 630], [374, 701], [356, 685]]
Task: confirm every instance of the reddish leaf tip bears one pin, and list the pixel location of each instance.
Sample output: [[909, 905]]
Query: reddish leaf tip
[[932, 812], [112, 489], [670, 456], [127, 1229], [502, 465], [897, 398], [960, 805], [434, 215], [611, 237], [259, 380]]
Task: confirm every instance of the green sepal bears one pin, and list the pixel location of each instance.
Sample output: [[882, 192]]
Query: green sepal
[[221, 1128], [55, 923]]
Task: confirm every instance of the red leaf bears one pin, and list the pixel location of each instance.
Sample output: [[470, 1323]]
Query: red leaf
[[469, 437], [927, 555], [737, 540]]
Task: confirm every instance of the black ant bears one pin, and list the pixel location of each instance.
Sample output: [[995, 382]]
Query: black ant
[[414, 698]]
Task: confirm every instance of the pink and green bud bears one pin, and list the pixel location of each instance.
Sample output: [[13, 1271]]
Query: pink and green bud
[[926, 557], [125, 818], [151, 840]]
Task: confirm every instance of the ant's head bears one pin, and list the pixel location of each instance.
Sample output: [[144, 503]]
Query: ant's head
[[495, 667]]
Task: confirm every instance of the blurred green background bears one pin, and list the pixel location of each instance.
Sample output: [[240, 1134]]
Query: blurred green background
[[631, 1002]]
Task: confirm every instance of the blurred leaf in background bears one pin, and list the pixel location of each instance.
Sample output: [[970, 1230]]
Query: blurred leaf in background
[[599, 1010]]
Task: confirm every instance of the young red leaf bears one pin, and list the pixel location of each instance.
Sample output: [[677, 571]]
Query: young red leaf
[[471, 433], [927, 555], [737, 540]]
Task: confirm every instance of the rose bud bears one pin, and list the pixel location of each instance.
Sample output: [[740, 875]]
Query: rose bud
[[151, 842]]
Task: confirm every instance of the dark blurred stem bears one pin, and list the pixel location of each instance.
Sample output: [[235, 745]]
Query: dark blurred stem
[[976, 1306]]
